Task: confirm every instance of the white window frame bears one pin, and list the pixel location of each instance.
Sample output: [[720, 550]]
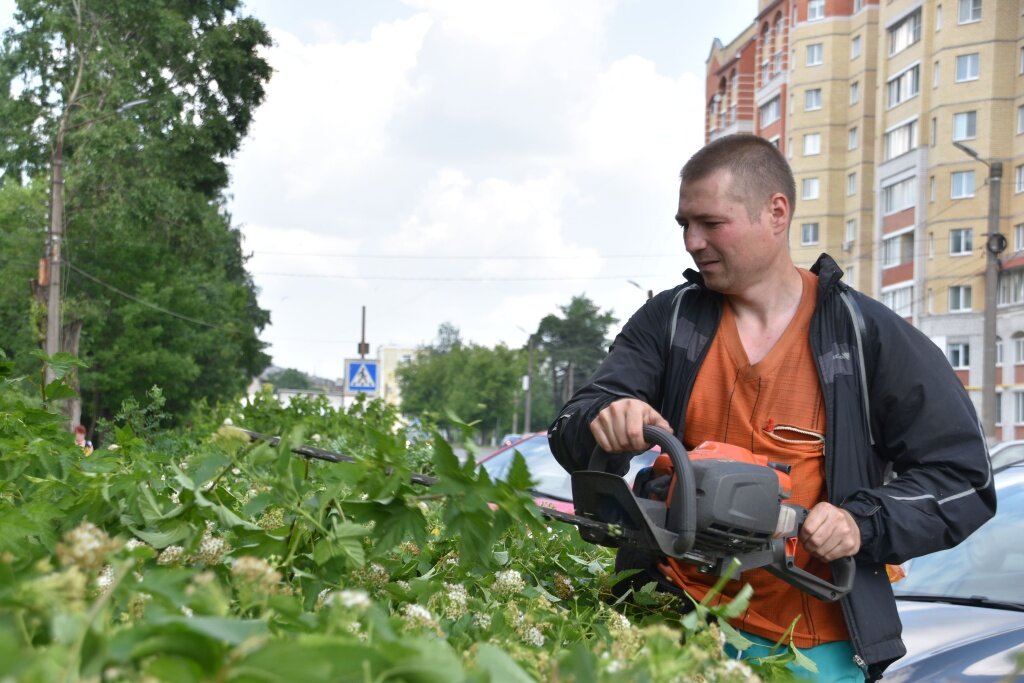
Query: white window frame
[[899, 140], [773, 109], [904, 86], [815, 10], [1018, 237], [1018, 179], [850, 235], [1020, 119], [1018, 407], [814, 54], [812, 144], [855, 47], [958, 184], [961, 241], [899, 195], [965, 125], [1018, 350], [959, 298], [968, 11], [810, 188], [905, 32], [971, 63], [812, 99], [900, 300], [851, 184], [959, 355], [810, 233], [855, 92], [852, 139]]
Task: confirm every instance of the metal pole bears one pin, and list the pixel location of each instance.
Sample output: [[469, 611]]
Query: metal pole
[[993, 245], [529, 387], [53, 317]]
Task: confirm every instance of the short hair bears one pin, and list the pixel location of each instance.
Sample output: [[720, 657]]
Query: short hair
[[757, 166], [79, 429]]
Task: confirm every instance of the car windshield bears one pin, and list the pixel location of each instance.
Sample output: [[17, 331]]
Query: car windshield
[[988, 566], [1007, 453], [552, 480]]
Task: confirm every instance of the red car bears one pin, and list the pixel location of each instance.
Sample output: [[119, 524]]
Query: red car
[[554, 486]]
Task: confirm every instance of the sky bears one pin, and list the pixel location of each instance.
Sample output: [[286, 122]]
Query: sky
[[476, 162]]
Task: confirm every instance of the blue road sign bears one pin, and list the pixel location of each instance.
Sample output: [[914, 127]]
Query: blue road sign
[[361, 376]]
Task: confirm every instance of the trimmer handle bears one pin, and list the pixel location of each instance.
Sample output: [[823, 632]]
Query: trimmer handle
[[682, 510]]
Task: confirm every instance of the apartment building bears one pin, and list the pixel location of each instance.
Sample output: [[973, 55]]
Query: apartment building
[[866, 99]]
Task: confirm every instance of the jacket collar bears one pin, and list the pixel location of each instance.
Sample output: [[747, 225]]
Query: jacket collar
[[827, 270]]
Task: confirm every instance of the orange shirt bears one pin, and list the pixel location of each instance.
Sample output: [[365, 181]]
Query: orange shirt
[[774, 408]]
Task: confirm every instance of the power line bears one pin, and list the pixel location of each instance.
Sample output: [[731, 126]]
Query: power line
[[513, 278], [439, 257], [137, 299]]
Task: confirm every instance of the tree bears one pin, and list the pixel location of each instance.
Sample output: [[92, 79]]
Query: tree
[[575, 344], [156, 272], [290, 378], [476, 383]]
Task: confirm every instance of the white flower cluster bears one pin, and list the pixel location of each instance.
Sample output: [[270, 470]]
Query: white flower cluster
[[618, 623], [418, 616], [507, 583], [86, 546], [257, 572], [105, 579], [211, 548], [134, 543], [483, 620], [456, 599], [534, 637], [354, 599], [172, 554]]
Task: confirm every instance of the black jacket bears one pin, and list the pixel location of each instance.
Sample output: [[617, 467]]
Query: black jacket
[[893, 407]]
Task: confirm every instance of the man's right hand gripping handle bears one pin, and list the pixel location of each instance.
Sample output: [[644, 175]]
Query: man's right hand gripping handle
[[619, 427]]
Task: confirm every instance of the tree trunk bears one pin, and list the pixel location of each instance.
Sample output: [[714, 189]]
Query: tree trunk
[[72, 408]]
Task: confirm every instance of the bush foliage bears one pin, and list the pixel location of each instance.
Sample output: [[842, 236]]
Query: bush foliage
[[199, 555]]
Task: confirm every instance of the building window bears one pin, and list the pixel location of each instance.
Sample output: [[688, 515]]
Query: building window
[[812, 99], [970, 10], [938, 18], [1020, 69], [898, 249], [851, 184], [770, 111], [858, 5], [962, 184], [1018, 179], [961, 241], [809, 188], [1018, 350], [1018, 407], [905, 33], [965, 125], [900, 300], [1011, 291], [855, 47], [900, 140], [1020, 119], [851, 139], [815, 10], [851, 231], [959, 298], [809, 233], [935, 73], [931, 188], [967, 67], [959, 355], [812, 144], [1018, 237], [855, 92], [999, 352], [904, 86], [899, 195], [815, 54]]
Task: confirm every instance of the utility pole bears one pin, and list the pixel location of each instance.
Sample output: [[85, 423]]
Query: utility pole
[[529, 386], [364, 348], [995, 243]]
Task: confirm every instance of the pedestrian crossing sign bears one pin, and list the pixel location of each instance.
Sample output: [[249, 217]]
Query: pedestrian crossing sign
[[361, 376]]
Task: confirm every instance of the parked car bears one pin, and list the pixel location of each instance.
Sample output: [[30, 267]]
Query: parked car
[[509, 439], [963, 608], [1006, 453], [554, 484]]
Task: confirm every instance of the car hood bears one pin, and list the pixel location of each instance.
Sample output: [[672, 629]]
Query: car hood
[[957, 643]]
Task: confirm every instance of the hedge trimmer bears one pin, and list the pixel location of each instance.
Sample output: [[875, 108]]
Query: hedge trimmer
[[714, 507]]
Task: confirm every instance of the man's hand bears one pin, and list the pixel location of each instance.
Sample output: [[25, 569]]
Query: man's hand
[[830, 532], [619, 428]]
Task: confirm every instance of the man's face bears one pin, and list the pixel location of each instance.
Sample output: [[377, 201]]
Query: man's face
[[731, 251]]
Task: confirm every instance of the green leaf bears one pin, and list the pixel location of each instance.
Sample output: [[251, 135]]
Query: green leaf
[[500, 666], [223, 630], [162, 539]]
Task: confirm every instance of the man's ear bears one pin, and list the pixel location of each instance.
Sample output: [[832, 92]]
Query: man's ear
[[778, 210]]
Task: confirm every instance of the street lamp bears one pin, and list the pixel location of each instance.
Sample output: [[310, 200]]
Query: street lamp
[[995, 243], [528, 383], [53, 316]]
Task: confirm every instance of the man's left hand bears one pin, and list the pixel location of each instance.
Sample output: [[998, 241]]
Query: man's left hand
[[830, 532]]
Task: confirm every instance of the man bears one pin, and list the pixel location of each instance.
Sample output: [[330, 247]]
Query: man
[[884, 444]]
